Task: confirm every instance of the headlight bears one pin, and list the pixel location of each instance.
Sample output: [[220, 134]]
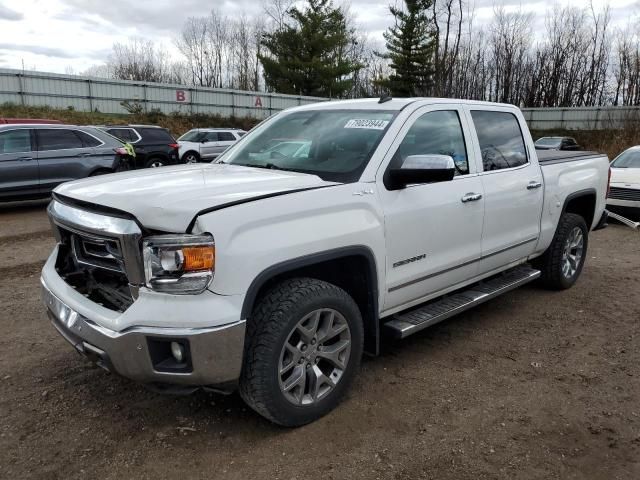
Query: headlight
[[179, 264]]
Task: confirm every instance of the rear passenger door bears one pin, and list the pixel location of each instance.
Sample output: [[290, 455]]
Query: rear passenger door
[[18, 164], [61, 157], [225, 140], [513, 188]]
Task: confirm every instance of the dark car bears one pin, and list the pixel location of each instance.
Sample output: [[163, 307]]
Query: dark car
[[34, 159], [557, 143], [154, 146]]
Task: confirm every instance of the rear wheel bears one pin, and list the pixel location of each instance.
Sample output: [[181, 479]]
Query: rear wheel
[[562, 263], [155, 163], [190, 157], [303, 348]]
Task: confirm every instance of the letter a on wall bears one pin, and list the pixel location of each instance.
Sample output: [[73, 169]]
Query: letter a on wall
[[258, 102]]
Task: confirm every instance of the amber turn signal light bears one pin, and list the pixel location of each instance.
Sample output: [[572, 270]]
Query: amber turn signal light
[[199, 258]]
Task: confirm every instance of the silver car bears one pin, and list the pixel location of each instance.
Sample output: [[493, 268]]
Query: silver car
[[205, 144]]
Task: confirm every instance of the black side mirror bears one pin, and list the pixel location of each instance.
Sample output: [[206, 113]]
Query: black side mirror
[[422, 169]]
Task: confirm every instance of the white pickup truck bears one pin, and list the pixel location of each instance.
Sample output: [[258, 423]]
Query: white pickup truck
[[274, 275]]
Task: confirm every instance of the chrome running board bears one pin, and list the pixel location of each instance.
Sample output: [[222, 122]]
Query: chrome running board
[[411, 321]]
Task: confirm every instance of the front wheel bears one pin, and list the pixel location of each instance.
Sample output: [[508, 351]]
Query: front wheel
[[303, 348], [562, 263]]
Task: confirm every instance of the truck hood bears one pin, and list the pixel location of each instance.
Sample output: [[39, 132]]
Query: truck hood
[[626, 176], [168, 198]]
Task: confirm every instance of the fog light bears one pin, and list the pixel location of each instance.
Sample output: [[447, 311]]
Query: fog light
[[177, 351]]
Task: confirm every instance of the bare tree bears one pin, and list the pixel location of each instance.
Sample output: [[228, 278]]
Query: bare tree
[[139, 60], [448, 19]]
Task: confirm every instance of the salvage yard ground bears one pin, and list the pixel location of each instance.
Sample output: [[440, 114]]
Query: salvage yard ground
[[534, 384]]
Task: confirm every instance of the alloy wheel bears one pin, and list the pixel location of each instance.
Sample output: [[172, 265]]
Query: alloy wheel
[[314, 356], [573, 251]]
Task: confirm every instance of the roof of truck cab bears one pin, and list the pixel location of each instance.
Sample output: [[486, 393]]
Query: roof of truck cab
[[394, 104]]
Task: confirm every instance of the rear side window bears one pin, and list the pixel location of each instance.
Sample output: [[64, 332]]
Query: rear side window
[[88, 140], [124, 134], [159, 135], [15, 141], [57, 139], [226, 137], [501, 141]]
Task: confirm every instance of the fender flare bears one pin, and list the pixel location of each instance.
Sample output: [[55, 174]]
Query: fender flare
[[370, 317]]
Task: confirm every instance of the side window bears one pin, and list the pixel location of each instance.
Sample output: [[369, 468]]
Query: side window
[[57, 139], [157, 135], [15, 141], [241, 134], [438, 133], [211, 136], [501, 141], [226, 137], [123, 134], [87, 140]]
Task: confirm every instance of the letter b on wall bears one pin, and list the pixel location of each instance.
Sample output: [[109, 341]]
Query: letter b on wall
[[182, 96]]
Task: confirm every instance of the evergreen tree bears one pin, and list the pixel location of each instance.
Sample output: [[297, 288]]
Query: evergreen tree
[[310, 55], [411, 46]]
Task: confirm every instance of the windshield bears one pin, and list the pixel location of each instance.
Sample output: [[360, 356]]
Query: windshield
[[192, 136], [628, 159], [548, 142], [336, 145]]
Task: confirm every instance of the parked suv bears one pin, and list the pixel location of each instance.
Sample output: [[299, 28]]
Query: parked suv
[[205, 144], [154, 146], [34, 159]]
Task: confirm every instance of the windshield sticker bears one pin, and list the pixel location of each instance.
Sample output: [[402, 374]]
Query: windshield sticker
[[368, 124]]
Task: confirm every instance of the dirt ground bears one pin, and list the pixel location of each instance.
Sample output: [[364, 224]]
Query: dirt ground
[[532, 385]]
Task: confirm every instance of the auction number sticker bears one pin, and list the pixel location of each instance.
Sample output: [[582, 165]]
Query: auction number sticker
[[369, 124]]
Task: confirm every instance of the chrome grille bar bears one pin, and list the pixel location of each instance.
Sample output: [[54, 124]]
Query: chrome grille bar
[[102, 228]]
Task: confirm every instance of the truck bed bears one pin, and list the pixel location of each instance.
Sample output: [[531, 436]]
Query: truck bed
[[549, 157]]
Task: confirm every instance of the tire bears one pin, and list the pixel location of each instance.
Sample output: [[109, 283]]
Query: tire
[[102, 171], [556, 274], [190, 157], [279, 318], [155, 163]]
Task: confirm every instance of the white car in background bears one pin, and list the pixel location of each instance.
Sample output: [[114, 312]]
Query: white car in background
[[205, 144], [625, 180]]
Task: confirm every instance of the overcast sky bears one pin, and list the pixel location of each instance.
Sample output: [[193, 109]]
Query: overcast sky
[[55, 35]]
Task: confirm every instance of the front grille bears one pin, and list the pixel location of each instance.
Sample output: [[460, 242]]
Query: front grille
[[619, 193], [98, 254], [94, 267]]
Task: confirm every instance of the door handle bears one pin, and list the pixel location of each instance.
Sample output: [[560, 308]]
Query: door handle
[[533, 185], [471, 197], [25, 159], [83, 155]]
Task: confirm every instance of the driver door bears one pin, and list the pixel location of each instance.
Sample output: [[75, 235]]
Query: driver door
[[433, 231]]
